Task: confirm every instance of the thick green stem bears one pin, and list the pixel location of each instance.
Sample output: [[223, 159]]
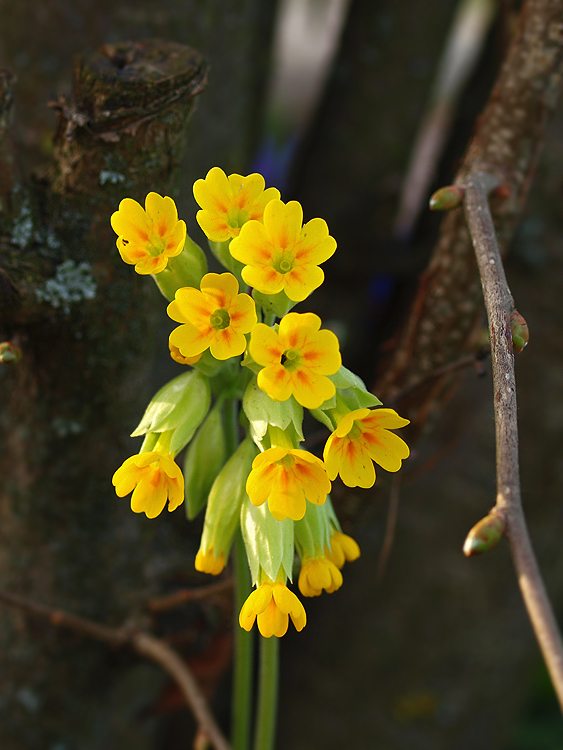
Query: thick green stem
[[267, 694], [243, 663], [243, 656]]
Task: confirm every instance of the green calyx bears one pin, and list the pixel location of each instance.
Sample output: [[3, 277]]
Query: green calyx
[[180, 407], [227, 495], [269, 543], [185, 269]]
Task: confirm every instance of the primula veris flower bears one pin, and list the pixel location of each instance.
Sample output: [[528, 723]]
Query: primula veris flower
[[362, 437], [206, 562], [272, 604], [229, 202], [178, 357], [318, 574], [217, 317], [153, 478], [343, 549], [148, 237], [280, 254], [296, 359], [287, 478]]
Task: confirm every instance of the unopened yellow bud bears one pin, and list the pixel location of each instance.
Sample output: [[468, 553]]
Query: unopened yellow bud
[[206, 562]]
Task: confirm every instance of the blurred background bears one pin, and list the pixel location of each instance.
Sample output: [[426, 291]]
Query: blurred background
[[329, 99]]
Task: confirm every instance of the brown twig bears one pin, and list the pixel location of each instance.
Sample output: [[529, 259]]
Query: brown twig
[[164, 603], [145, 645], [500, 305], [459, 364], [390, 527]]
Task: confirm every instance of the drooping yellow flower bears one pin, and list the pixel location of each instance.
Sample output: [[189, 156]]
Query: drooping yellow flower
[[318, 574], [280, 254], [229, 202], [148, 237], [296, 359], [287, 478], [272, 604], [206, 562], [362, 437], [178, 357], [217, 317], [343, 549], [153, 478]]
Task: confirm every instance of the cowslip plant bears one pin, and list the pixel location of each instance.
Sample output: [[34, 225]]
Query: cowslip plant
[[253, 366]]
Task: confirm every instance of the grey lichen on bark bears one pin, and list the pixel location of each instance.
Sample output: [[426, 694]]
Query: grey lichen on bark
[[85, 325]]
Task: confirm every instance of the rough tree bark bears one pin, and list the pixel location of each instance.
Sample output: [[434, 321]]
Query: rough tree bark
[[85, 357]]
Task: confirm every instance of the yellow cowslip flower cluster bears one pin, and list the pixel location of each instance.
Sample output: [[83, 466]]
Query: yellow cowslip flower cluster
[[269, 487]]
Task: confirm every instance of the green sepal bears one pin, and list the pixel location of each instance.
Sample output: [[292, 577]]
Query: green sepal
[[221, 251], [226, 497], [204, 459], [269, 543], [261, 411], [186, 269], [279, 304], [149, 442], [313, 531], [180, 405], [351, 392], [208, 365]]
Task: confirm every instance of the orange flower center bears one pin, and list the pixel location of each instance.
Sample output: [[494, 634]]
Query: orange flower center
[[156, 245], [220, 320], [283, 262], [291, 359], [236, 217]]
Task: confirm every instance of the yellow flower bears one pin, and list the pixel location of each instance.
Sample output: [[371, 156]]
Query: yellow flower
[[153, 478], [217, 317], [206, 562], [282, 255], [296, 359], [287, 478], [318, 574], [272, 604], [178, 357], [228, 202], [363, 436], [148, 237], [343, 549]]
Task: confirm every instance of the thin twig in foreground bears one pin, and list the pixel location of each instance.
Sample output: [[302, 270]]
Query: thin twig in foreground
[[145, 645], [500, 305], [164, 603], [390, 527]]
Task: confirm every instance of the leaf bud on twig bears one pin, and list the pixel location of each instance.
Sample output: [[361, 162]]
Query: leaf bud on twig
[[485, 535]]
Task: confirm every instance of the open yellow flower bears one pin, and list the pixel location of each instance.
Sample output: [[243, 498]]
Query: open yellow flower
[[229, 202], [153, 478], [362, 437], [296, 359], [280, 254], [217, 317], [148, 237], [343, 549], [272, 604], [318, 574], [287, 478]]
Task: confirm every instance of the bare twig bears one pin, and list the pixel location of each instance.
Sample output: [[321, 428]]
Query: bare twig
[[474, 360], [500, 305], [145, 645], [164, 603], [390, 527]]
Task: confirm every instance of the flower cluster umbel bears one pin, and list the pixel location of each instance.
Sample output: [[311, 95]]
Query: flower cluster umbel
[[268, 487]]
